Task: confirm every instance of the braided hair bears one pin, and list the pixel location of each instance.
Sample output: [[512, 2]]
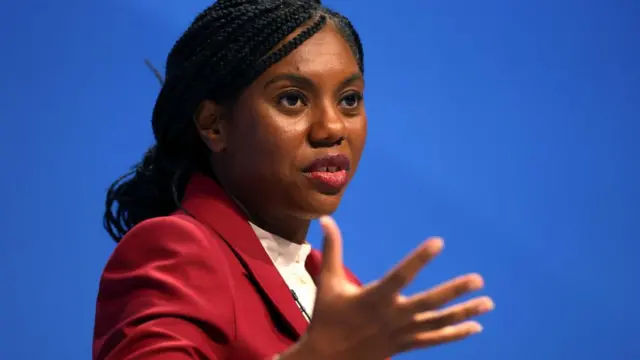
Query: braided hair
[[226, 47]]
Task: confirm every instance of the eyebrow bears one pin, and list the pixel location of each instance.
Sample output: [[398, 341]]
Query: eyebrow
[[351, 79], [305, 81]]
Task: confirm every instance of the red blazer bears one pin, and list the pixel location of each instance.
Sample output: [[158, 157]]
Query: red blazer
[[202, 287]]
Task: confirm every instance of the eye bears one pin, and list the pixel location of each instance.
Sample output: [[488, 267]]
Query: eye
[[351, 100], [292, 99]]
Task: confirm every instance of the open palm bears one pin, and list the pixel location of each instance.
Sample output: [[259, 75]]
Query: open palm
[[375, 321]]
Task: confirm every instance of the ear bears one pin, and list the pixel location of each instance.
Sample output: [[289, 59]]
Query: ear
[[210, 121]]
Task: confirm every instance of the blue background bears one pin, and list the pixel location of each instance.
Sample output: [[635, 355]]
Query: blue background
[[509, 128]]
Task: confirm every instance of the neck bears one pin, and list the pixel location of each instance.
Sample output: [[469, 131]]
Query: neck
[[287, 227], [294, 230]]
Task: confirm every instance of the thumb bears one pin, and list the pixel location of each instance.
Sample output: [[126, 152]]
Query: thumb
[[332, 264]]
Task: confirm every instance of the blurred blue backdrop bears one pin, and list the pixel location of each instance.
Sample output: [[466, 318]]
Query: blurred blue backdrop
[[510, 128]]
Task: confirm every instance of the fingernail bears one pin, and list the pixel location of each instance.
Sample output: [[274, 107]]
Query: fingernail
[[324, 220], [434, 244], [476, 328], [476, 282], [487, 305]]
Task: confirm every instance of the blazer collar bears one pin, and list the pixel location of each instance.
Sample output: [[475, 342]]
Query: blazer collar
[[209, 204]]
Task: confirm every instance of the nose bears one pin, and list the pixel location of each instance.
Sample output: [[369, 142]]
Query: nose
[[328, 128]]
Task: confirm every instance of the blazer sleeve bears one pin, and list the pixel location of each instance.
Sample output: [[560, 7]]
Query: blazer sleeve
[[165, 294]]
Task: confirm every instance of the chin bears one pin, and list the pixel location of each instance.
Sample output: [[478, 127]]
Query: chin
[[320, 204]]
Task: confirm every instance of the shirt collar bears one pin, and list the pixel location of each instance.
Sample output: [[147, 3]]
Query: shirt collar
[[281, 251]]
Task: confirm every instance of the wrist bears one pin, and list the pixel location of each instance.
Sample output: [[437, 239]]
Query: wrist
[[302, 350]]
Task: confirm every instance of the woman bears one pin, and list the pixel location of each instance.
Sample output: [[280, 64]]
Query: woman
[[259, 126]]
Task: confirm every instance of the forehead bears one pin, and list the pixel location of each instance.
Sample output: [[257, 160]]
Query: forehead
[[324, 54]]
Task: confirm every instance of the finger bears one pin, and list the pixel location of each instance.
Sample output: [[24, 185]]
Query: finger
[[332, 263], [442, 294], [408, 268], [439, 337], [433, 320]]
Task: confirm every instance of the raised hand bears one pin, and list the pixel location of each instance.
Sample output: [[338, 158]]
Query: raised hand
[[375, 321]]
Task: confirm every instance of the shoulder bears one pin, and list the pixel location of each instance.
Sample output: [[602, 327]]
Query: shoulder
[[165, 289], [163, 237], [176, 248], [167, 266]]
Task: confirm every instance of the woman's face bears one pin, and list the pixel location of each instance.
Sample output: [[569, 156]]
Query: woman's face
[[294, 138]]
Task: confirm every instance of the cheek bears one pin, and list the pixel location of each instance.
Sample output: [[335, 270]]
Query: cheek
[[358, 136], [286, 134], [268, 142]]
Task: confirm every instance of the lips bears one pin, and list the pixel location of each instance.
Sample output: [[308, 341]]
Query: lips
[[329, 174], [329, 164]]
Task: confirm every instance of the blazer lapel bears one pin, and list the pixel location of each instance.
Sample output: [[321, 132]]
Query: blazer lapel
[[205, 200]]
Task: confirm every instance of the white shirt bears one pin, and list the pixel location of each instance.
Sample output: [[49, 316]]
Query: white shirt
[[289, 258]]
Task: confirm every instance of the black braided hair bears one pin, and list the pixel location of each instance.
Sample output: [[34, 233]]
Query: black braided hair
[[226, 47]]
